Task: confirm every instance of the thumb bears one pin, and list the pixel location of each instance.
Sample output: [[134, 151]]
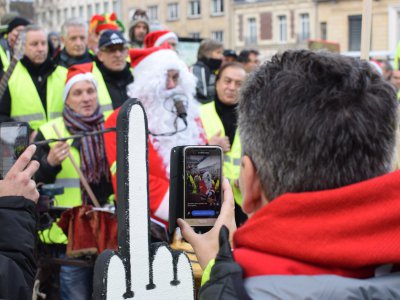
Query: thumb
[[187, 231]]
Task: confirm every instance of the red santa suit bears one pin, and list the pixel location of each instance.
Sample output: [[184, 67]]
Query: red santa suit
[[150, 68]]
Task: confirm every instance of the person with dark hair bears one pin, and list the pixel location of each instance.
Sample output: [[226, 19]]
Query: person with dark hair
[[219, 119], [15, 26], [139, 27], [318, 133], [229, 56], [54, 42], [18, 195], [209, 59], [249, 59]]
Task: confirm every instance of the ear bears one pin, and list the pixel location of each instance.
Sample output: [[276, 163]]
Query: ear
[[100, 55]]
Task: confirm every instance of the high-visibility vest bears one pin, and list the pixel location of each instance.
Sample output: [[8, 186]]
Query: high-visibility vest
[[5, 59], [397, 58], [105, 100], [67, 177], [26, 105], [231, 166]]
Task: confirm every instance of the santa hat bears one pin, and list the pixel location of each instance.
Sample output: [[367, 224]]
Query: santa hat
[[78, 73], [149, 58], [98, 23], [158, 37]]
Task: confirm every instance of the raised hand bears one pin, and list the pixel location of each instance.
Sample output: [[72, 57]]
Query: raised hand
[[138, 270]]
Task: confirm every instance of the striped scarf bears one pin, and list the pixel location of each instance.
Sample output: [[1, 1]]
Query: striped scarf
[[92, 151]]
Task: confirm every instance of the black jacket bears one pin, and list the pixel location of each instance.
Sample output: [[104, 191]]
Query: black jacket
[[39, 75], [17, 235], [205, 88], [66, 60], [116, 83]]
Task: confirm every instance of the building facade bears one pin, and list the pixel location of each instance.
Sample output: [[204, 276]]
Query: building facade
[[51, 14], [187, 18]]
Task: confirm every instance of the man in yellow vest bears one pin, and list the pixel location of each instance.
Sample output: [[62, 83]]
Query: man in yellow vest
[[219, 119], [16, 25], [35, 88], [81, 114]]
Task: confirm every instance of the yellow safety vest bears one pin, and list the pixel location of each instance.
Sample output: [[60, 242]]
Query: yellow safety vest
[[26, 105], [397, 57], [102, 92], [231, 167], [67, 177], [4, 58]]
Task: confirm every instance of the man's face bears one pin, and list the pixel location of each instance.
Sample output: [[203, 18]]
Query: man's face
[[229, 83], [82, 98], [76, 41], [13, 35], [252, 64], [172, 79], [395, 79], [172, 42], [36, 48], [114, 57], [140, 31]]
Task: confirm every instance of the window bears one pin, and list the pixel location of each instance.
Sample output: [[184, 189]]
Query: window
[[65, 13], [58, 16], [194, 8], [282, 27], [73, 11], [89, 11], [195, 35], [106, 6], [115, 7], [152, 12], [173, 11], [324, 31], [354, 33], [81, 11], [252, 31], [217, 7], [305, 27], [218, 36], [97, 8]]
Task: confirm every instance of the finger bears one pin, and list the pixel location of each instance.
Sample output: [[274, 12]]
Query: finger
[[22, 161], [32, 167], [187, 232]]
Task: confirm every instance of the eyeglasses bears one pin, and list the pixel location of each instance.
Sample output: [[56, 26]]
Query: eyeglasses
[[115, 48]]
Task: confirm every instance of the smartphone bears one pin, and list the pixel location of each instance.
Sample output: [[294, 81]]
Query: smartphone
[[14, 138], [202, 179]]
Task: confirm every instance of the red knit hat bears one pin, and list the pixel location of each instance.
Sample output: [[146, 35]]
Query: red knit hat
[[102, 22], [78, 73], [158, 37]]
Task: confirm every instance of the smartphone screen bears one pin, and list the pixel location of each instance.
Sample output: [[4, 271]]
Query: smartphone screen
[[202, 184], [13, 141]]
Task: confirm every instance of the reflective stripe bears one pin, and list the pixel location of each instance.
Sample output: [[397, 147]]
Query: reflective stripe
[[28, 118], [113, 168], [106, 107], [236, 162], [227, 158], [68, 182], [54, 115]]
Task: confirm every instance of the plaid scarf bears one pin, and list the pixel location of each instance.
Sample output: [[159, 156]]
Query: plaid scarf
[[92, 151]]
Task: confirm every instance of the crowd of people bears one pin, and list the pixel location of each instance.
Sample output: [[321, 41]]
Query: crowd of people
[[310, 134]]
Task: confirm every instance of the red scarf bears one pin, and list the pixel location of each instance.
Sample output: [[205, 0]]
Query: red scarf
[[347, 231]]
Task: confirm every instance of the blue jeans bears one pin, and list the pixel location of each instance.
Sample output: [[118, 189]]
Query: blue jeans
[[76, 283]]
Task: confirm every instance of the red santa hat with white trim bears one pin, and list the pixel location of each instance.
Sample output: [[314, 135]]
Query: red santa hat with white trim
[[158, 37], [78, 73]]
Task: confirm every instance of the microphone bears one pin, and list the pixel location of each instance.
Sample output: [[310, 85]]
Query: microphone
[[179, 100]]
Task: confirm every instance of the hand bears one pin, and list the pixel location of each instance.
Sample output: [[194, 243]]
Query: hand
[[18, 180], [58, 153], [206, 245], [222, 141]]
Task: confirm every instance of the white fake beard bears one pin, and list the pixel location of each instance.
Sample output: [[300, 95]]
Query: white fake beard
[[158, 105]]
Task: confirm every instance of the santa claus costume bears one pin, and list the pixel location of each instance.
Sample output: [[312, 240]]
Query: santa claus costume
[[167, 130]]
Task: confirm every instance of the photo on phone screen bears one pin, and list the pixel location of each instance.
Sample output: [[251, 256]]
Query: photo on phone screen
[[13, 141], [202, 184]]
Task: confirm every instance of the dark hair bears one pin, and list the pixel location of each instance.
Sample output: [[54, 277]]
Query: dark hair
[[244, 55], [232, 64], [315, 121]]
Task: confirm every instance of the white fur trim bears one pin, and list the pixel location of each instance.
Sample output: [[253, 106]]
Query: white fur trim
[[77, 78], [167, 36], [162, 211]]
